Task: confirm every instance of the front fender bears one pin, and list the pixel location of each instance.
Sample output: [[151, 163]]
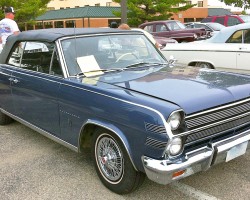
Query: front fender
[[112, 128]]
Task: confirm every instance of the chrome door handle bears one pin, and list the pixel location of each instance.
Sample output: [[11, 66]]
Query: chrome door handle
[[15, 81]]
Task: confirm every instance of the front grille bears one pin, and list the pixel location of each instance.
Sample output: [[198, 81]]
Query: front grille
[[218, 115], [217, 120], [217, 129]]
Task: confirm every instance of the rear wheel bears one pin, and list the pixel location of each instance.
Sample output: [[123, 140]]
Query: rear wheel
[[204, 65], [113, 164]]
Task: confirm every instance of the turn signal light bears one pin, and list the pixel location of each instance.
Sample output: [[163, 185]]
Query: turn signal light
[[179, 173]]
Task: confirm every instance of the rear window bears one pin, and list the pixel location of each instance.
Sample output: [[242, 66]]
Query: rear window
[[220, 20], [233, 21]]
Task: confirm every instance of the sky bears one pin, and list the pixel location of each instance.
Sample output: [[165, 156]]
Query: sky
[[218, 3]]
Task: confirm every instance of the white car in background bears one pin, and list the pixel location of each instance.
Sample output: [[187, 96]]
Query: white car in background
[[228, 49]]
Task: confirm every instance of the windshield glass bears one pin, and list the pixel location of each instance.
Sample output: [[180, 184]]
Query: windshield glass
[[245, 18], [108, 52], [216, 26], [182, 26]]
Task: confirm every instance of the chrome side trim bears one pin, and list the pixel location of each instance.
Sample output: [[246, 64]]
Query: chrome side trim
[[168, 129], [89, 121], [41, 131]]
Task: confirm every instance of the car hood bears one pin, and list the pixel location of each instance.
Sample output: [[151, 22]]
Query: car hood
[[193, 89]]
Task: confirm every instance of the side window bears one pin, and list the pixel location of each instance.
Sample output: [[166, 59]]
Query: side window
[[15, 56], [149, 28], [247, 36], [220, 20], [236, 37], [37, 56], [160, 28], [233, 21], [55, 67], [173, 26]]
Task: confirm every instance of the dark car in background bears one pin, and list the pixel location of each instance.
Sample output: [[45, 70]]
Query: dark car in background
[[210, 27], [174, 29], [227, 20]]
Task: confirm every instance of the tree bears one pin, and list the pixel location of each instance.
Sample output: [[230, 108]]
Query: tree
[[26, 10], [245, 4], [140, 11]]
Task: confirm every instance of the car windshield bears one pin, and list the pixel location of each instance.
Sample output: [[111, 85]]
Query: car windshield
[[107, 53], [245, 18], [216, 26], [182, 26]]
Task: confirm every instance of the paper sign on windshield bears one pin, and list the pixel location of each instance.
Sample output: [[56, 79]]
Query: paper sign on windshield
[[89, 65]]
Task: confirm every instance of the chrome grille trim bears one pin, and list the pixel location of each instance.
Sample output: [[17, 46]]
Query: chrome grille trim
[[218, 129], [155, 128], [216, 116], [219, 108], [155, 143]]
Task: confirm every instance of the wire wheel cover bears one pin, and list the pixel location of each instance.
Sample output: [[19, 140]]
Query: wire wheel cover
[[109, 158]]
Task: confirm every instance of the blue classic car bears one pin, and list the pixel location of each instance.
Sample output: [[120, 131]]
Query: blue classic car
[[112, 91]]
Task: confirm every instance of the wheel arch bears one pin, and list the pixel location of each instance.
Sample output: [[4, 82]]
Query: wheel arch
[[193, 63], [88, 128]]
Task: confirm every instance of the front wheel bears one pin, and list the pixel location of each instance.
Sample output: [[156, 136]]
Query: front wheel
[[203, 65], [113, 164]]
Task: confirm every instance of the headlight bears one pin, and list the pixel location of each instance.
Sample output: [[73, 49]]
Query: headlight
[[175, 146], [174, 120]]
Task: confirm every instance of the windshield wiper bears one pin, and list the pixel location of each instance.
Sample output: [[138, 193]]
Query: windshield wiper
[[99, 70], [143, 64]]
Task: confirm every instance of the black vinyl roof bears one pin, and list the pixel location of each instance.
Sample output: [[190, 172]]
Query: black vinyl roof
[[51, 35]]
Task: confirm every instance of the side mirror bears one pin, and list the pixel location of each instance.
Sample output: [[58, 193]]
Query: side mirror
[[172, 61]]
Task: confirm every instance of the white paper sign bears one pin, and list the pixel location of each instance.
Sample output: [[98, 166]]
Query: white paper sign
[[89, 65]]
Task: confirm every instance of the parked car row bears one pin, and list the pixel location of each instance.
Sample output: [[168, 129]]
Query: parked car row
[[228, 49], [174, 29], [112, 91]]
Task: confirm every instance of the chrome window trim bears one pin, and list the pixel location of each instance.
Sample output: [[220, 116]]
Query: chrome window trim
[[33, 75], [41, 131], [61, 54]]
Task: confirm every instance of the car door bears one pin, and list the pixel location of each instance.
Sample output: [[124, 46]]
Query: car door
[[35, 88], [5, 89], [241, 42], [244, 52]]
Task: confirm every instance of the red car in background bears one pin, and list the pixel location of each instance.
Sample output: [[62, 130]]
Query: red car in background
[[227, 20], [174, 29]]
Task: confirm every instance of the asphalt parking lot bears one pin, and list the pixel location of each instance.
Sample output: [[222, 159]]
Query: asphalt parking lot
[[34, 167]]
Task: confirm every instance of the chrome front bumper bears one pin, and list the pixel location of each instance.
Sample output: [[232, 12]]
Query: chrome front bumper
[[162, 171]]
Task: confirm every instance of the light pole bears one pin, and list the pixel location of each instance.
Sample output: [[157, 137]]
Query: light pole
[[124, 11]]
